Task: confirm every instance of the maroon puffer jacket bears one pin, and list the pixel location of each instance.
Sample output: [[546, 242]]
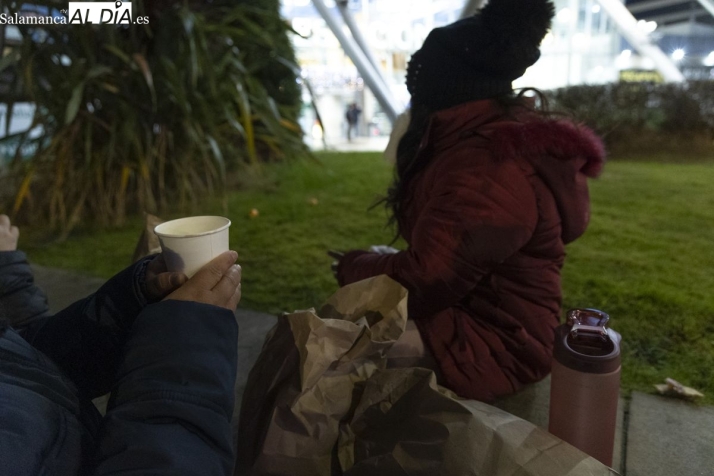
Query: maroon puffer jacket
[[486, 231]]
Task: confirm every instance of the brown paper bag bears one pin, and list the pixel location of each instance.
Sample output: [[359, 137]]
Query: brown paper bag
[[320, 402], [301, 386], [405, 424]]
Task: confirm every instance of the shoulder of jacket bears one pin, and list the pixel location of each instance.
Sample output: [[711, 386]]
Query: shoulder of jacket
[[557, 138], [475, 155]]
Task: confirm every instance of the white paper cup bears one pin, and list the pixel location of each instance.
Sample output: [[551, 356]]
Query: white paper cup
[[189, 243]]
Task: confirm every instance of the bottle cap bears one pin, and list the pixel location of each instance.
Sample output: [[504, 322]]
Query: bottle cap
[[586, 344]]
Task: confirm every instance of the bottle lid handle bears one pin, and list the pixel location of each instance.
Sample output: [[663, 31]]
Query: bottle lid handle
[[588, 324]]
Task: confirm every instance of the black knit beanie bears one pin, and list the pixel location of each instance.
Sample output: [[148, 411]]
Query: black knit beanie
[[480, 56]]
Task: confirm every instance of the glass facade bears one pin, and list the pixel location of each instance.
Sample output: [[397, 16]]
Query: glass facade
[[583, 47]]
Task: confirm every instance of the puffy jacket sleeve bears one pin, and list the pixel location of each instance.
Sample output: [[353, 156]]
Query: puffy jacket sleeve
[[479, 213], [171, 407], [22, 301], [85, 340]]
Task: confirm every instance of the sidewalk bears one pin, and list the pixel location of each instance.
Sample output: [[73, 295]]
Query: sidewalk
[[656, 436], [358, 144]]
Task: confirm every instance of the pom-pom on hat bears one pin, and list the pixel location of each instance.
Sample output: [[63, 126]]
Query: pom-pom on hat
[[479, 57]]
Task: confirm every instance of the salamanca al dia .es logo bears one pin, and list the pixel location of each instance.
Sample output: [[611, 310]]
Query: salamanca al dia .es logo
[[79, 13]]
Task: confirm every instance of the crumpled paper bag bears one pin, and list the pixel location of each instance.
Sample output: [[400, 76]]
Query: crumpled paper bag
[[301, 385], [405, 424], [320, 402]]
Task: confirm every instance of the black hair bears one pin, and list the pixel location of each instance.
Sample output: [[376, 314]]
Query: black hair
[[410, 164]]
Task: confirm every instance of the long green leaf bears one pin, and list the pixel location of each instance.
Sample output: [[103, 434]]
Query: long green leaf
[[98, 70], [217, 154], [10, 59], [140, 60], [74, 103], [247, 120], [118, 53]]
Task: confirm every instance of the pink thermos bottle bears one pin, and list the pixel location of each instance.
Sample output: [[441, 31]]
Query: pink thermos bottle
[[585, 383]]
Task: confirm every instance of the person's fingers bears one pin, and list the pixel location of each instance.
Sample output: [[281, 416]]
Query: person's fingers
[[162, 284], [230, 278], [227, 286], [154, 285], [178, 279], [235, 299], [212, 273], [15, 232], [4, 220], [157, 265]]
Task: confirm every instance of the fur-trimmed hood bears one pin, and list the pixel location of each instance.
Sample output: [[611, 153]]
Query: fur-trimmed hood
[[559, 139], [528, 135], [562, 153]]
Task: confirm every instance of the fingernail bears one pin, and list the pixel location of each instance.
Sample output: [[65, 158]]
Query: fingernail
[[234, 254]]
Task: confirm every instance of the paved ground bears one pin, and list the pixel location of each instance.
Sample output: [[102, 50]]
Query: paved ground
[[669, 437], [358, 144], [656, 436]]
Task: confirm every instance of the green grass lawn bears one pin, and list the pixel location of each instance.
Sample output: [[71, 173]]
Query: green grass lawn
[[647, 258]]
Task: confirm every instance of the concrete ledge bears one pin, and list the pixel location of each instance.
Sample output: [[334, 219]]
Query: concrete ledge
[[252, 328], [64, 287]]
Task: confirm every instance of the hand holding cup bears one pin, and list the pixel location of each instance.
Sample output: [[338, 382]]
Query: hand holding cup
[[218, 283], [159, 281]]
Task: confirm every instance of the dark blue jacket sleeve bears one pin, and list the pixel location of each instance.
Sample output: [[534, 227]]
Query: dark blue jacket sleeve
[[86, 339], [171, 407], [21, 301]]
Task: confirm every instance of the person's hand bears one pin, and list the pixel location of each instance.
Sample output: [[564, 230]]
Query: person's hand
[[8, 234], [217, 283], [337, 255], [159, 281]]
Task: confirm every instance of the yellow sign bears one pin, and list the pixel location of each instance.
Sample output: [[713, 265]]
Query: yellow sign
[[640, 76]]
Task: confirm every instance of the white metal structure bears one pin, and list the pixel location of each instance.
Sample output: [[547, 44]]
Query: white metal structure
[[627, 25], [358, 57], [708, 6]]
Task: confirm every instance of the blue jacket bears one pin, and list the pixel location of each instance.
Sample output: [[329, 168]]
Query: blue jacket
[[170, 367]]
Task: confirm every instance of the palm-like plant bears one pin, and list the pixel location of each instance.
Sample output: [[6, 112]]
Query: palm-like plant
[[137, 117]]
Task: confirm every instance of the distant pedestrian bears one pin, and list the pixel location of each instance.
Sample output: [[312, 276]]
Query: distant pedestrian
[[352, 116]]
